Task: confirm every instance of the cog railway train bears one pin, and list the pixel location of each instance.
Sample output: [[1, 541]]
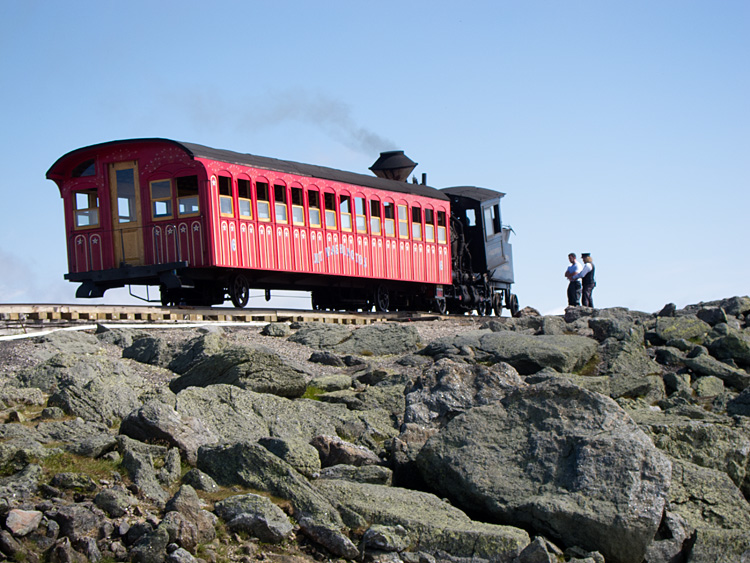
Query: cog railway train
[[205, 225]]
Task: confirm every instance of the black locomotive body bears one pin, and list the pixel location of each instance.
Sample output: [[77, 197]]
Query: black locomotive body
[[481, 253]]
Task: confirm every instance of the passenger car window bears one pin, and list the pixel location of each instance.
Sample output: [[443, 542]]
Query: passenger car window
[[86, 208], [375, 217], [161, 199], [244, 198], [187, 195], [264, 205], [313, 204], [298, 209], [226, 204], [329, 202]]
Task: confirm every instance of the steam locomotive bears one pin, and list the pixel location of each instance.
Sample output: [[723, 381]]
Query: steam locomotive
[[206, 224]]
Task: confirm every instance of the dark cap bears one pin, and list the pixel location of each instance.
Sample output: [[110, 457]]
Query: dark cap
[[585, 255]]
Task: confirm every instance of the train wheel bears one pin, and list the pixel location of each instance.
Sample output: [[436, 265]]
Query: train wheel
[[440, 306], [382, 299], [513, 306], [239, 291], [497, 304], [485, 308]]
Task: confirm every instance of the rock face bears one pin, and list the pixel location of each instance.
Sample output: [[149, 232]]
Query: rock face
[[567, 462], [598, 435]]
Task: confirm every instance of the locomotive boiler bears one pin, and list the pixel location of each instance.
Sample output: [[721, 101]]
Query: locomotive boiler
[[205, 225]]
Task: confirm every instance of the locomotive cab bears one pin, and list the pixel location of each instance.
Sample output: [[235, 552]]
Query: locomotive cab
[[481, 252]]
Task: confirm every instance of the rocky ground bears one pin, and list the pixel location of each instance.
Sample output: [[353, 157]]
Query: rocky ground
[[603, 435]]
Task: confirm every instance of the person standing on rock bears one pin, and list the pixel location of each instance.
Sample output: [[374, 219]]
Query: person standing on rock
[[574, 285], [586, 277]]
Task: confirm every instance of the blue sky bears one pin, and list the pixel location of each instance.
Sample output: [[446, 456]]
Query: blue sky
[[616, 128]]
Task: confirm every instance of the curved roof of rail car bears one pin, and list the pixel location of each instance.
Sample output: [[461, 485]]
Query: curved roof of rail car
[[277, 165], [472, 192]]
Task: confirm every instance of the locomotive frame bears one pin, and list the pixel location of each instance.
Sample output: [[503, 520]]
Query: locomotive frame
[[204, 224]]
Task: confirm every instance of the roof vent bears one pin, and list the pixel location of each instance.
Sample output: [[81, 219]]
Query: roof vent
[[393, 165]]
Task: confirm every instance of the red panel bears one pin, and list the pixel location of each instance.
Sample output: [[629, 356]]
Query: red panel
[[347, 254], [97, 252], [318, 251], [332, 253], [362, 258], [80, 254], [248, 245], [265, 246], [284, 246]]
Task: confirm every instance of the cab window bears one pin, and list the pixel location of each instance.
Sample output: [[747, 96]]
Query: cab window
[[492, 220]]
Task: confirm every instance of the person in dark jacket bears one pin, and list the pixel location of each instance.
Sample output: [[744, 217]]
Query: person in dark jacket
[[588, 283]]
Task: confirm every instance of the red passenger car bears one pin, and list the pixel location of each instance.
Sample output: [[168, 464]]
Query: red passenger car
[[204, 224]]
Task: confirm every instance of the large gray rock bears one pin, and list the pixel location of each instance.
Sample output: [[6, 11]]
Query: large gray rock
[[566, 462], [211, 341], [528, 354], [686, 327], [703, 364], [150, 349], [65, 369], [720, 546], [254, 369], [255, 515], [157, 421], [251, 465], [371, 340], [716, 442], [449, 388], [106, 398], [236, 415], [726, 343], [432, 524], [707, 498], [90, 439], [66, 342]]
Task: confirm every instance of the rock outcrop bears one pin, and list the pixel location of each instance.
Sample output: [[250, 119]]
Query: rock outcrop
[[601, 435]]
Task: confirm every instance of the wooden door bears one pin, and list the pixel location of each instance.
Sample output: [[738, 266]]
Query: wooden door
[[127, 231]]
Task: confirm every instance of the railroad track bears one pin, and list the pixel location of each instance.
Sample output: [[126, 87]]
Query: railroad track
[[32, 318]]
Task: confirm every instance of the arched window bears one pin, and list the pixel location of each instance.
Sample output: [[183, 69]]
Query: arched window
[[280, 203], [389, 218], [264, 200], [360, 217], [226, 202], [416, 222], [345, 212], [429, 224], [329, 204], [298, 206], [313, 206], [375, 219], [244, 198]]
